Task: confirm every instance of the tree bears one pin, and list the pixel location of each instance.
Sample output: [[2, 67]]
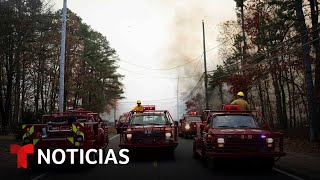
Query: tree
[[316, 45], [29, 68], [302, 28]]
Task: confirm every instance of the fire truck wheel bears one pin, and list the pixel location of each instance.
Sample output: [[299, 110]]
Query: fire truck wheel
[[195, 154], [35, 167], [212, 163], [185, 136], [105, 151], [92, 157], [208, 163], [267, 164], [170, 153], [107, 141]]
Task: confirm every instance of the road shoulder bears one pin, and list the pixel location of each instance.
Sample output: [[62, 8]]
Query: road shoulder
[[306, 166]]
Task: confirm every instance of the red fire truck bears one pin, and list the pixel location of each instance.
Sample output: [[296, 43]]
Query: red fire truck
[[68, 130], [235, 134], [188, 124], [150, 128]]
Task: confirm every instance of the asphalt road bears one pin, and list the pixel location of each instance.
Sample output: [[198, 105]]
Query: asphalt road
[[153, 166]]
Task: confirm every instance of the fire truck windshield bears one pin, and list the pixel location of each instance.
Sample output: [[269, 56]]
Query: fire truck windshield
[[66, 119], [193, 118], [234, 121], [149, 119], [122, 118]]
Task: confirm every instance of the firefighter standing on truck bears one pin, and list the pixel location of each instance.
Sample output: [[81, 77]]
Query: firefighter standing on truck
[[244, 105], [138, 107]]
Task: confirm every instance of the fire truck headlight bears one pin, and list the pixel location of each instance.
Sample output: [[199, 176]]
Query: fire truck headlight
[[129, 136], [44, 131], [220, 140], [168, 135], [269, 140], [187, 126]]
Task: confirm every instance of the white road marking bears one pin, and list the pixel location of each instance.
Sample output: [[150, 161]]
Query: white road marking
[[113, 137], [288, 174], [40, 176], [155, 163]]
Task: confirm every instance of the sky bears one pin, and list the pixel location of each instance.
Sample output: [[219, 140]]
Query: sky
[[152, 37]]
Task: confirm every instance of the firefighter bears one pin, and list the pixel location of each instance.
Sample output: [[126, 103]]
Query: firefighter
[[244, 105], [138, 107]]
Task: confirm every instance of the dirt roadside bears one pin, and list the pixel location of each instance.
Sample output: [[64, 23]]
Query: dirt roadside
[[302, 159]]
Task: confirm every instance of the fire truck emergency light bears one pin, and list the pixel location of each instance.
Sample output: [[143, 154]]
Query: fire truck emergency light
[[149, 107], [231, 107]]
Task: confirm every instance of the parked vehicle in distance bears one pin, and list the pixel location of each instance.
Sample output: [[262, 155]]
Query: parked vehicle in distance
[[188, 124]]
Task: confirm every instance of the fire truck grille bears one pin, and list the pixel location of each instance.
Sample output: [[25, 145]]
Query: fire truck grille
[[228, 148], [60, 134], [148, 138], [235, 145]]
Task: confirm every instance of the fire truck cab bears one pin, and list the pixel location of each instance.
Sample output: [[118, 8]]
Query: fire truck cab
[[68, 130], [235, 134], [150, 128], [188, 124]]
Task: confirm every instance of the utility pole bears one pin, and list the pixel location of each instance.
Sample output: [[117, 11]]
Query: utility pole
[[62, 57], [178, 99], [205, 66]]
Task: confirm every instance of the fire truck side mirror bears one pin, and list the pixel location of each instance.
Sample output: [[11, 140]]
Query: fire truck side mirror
[[264, 125], [201, 129], [104, 123]]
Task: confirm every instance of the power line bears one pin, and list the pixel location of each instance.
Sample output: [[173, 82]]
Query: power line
[[162, 69], [147, 75], [166, 69], [166, 99], [251, 66], [194, 89], [296, 37]]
